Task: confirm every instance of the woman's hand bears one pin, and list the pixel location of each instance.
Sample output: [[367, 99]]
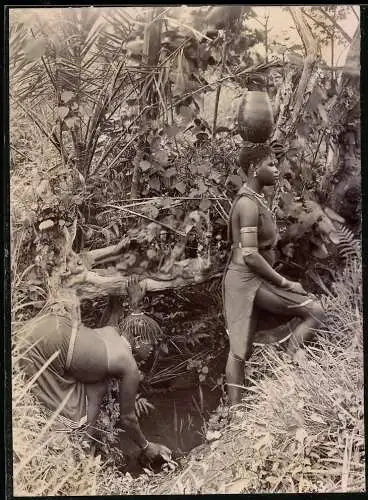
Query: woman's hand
[[135, 291], [295, 286]]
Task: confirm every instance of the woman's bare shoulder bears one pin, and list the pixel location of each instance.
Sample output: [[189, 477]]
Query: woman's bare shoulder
[[247, 205]]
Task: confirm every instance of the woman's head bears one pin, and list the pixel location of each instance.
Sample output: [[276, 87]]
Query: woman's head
[[261, 161]]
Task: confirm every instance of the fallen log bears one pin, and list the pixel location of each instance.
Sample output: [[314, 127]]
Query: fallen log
[[95, 284]]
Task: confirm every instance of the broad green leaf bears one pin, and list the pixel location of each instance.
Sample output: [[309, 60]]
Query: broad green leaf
[[215, 176], [180, 186], [287, 199], [66, 96], [71, 122], [186, 112], [302, 129], [62, 111], [296, 47], [307, 173], [162, 157], [151, 211], [205, 204], [172, 130], [155, 144], [194, 193], [144, 165], [315, 99], [204, 168], [202, 187], [170, 172], [154, 183]]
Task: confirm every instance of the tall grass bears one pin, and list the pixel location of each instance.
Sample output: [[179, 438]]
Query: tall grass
[[45, 462], [300, 428]]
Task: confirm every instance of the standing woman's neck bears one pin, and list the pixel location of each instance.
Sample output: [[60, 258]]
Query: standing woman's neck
[[254, 184]]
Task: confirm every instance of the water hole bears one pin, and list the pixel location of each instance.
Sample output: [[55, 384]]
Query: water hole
[[177, 421]]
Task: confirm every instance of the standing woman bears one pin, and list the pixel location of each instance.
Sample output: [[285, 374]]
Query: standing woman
[[250, 279]]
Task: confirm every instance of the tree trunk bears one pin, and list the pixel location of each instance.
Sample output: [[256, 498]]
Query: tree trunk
[[341, 182], [149, 94], [292, 103]]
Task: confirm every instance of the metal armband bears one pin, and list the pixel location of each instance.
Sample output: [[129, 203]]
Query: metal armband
[[246, 229], [248, 250]]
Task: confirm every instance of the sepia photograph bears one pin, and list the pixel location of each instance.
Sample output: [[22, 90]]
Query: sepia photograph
[[185, 250]]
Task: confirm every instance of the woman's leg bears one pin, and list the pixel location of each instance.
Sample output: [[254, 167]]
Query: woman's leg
[[95, 395], [235, 370], [311, 313], [234, 378]]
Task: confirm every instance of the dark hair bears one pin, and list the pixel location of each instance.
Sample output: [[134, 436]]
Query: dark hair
[[253, 153]]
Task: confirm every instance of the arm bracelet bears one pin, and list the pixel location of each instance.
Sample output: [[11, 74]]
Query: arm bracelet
[[145, 446], [250, 229], [283, 282]]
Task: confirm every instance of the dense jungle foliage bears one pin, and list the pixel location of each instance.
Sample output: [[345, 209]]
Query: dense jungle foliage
[[123, 121]]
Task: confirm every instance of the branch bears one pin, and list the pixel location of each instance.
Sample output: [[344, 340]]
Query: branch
[[20, 153], [93, 284], [218, 90], [336, 25], [92, 256], [318, 23], [356, 15], [311, 48], [180, 233]]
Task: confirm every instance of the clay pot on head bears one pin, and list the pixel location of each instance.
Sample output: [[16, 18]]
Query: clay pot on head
[[255, 117]]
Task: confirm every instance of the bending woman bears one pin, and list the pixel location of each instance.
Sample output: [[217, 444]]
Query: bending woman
[[250, 281], [71, 365]]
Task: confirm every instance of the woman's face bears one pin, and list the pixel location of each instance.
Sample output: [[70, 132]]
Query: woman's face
[[142, 351], [267, 171]]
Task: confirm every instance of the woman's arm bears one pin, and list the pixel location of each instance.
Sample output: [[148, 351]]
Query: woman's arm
[[248, 222], [128, 387]]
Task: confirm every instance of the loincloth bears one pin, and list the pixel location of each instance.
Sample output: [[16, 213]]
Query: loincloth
[[239, 289], [53, 386]]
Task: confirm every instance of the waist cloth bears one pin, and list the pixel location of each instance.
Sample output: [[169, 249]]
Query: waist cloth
[[46, 360], [240, 287]]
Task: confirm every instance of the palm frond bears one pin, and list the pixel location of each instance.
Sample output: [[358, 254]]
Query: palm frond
[[349, 244]]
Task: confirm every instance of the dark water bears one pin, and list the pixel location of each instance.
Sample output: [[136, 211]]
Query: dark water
[[179, 417], [177, 421]]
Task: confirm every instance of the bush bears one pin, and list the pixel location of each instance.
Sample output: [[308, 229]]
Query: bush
[[46, 462], [300, 428]]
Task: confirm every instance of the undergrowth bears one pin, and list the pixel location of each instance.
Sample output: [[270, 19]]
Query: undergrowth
[[300, 427]]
